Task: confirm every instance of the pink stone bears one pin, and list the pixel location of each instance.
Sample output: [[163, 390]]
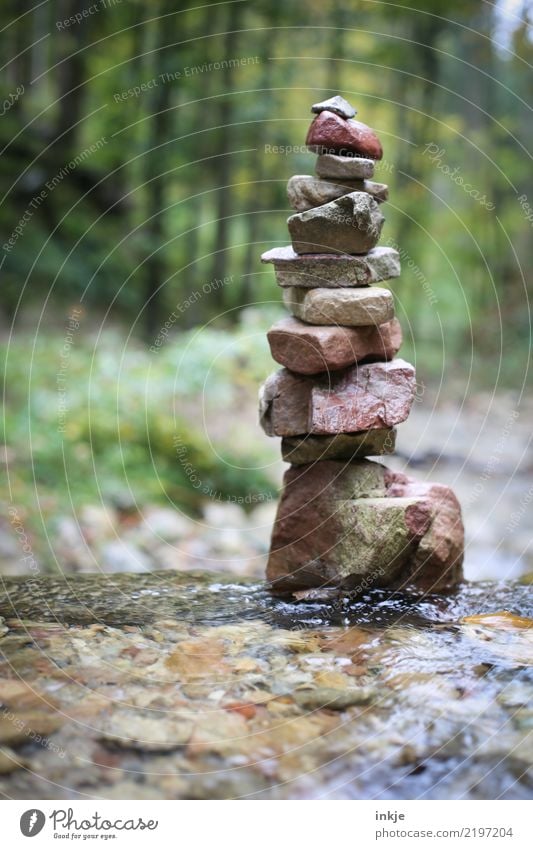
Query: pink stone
[[358, 525], [310, 349], [361, 397], [329, 133]]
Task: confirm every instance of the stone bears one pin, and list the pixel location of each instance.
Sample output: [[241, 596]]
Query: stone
[[336, 104], [301, 450], [437, 564], [315, 271], [364, 397], [379, 191], [350, 224], [305, 191], [349, 307], [9, 761], [331, 166], [329, 133], [310, 349], [332, 698], [346, 525]]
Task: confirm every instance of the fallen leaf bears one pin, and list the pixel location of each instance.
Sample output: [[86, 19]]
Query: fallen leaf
[[504, 620], [329, 678], [199, 658], [246, 710]]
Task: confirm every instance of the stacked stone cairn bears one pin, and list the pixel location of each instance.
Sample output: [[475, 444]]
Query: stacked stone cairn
[[346, 522]]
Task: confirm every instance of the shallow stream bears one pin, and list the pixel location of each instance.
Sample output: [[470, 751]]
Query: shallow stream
[[169, 685]]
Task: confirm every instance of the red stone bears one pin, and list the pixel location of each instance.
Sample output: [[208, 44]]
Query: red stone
[[357, 525], [329, 133], [310, 349], [361, 397], [437, 565]]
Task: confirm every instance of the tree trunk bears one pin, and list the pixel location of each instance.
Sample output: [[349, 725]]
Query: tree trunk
[[224, 163], [71, 91], [160, 126]]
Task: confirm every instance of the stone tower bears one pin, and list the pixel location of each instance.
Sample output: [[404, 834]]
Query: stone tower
[[343, 520]]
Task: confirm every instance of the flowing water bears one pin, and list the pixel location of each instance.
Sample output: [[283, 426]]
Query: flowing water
[[168, 685]]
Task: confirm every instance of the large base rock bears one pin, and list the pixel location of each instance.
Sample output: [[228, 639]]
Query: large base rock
[[359, 398], [351, 224], [359, 525]]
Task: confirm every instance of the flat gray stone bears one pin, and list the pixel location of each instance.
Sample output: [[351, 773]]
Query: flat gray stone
[[362, 397], [329, 165], [351, 224], [347, 307], [300, 450], [324, 271], [306, 192], [336, 104]]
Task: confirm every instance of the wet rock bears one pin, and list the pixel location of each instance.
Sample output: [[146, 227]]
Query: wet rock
[[300, 450], [363, 397], [18, 727], [329, 133], [309, 349], [351, 224], [10, 761], [325, 271], [347, 525], [331, 166], [248, 654], [150, 733], [336, 104], [347, 307], [331, 698], [306, 192]]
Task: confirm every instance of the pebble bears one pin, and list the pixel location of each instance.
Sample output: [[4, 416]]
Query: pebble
[[336, 104]]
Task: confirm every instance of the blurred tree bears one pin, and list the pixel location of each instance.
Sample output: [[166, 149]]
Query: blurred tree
[[166, 204]]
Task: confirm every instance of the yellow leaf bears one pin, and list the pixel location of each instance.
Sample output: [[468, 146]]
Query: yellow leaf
[[503, 620]]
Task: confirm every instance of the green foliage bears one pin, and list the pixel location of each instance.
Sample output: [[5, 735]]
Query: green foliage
[[135, 419], [140, 221], [168, 189]]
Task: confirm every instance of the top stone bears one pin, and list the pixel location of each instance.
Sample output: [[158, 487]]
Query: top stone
[[336, 104], [329, 133]]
